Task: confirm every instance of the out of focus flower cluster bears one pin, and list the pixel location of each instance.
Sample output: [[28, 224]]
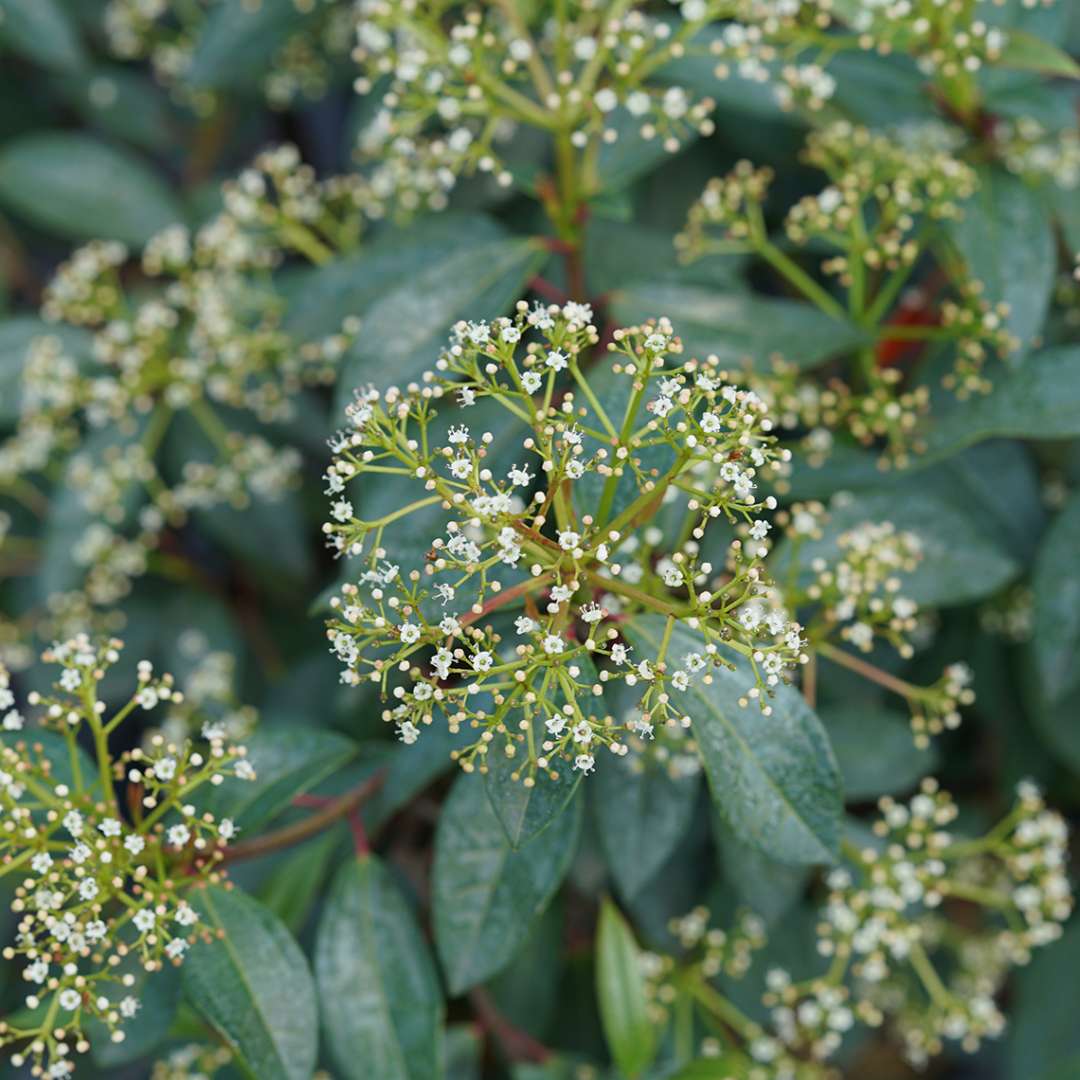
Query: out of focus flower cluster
[[315, 36]]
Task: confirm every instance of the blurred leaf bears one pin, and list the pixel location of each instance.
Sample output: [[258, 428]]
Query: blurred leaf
[[462, 1052], [1043, 1031], [42, 31], [291, 890], [620, 990], [739, 328], [1026, 52], [875, 751], [238, 42], [641, 812], [767, 887], [287, 762], [486, 896], [1055, 582], [1006, 240], [253, 986], [774, 778], [82, 188], [630, 155], [524, 812], [1041, 400], [381, 1005], [728, 1066]]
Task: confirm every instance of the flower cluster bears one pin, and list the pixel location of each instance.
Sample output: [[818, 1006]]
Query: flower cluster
[[101, 894], [887, 928], [167, 32], [886, 196], [203, 345], [509, 623], [1028, 149], [460, 79]]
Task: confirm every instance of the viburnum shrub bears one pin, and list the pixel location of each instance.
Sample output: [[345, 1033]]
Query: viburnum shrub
[[589, 490]]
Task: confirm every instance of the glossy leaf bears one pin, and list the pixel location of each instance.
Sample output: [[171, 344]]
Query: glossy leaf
[[740, 328], [288, 761], [486, 895], [82, 188], [1007, 241], [621, 992], [875, 751], [773, 778], [524, 811], [1026, 52], [379, 997], [237, 42], [253, 986], [1039, 401], [642, 812]]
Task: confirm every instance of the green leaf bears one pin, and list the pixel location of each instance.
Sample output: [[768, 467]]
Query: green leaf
[[1026, 52], [1007, 241], [642, 812], [288, 761], [379, 997], [1055, 583], [773, 778], [962, 560], [1041, 400], [462, 1052], [769, 888], [238, 41], [1042, 1029], [740, 328], [524, 811], [253, 986], [620, 990], [42, 31], [728, 1066], [293, 888], [875, 751], [486, 895], [80, 187]]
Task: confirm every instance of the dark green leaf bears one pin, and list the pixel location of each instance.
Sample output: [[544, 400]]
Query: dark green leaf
[[379, 997], [1007, 241], [238, 41], [254, 986], [739, 328], [728, 1066], [292, 889], [81, 188], [1056, 603], [1041, 400], [620, 990], [43, 31], [288, 762], [1026, 52], [774, 778], [875, 751], [486, 895], [642, 812], [526, 811], [768, 888]]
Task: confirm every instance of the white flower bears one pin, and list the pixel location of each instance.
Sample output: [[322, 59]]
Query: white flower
[[458, 436], [109, 827], [482, 661], [227, 829], [179, 835], [70, 679], [244, 770], [73, 822], [408, 732], [41, 862], [532, 381], [556, 360], [524, 625], [410, 633], [165, 769], [583, 732], [70, 999], [134, 843], [13, 721], [569, 540], [585, 763], [556, 725], [176, 948], [88, 888], [461, 468], [128, 1007], [620, 653], [520, 476], [553, 644], [592, 613], [144, 920]]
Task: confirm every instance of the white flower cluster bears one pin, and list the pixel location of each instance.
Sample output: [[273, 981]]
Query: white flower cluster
[[547, 532], [203, 341], [99, 895], [460, 79], [886, 929], [166, 32]]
